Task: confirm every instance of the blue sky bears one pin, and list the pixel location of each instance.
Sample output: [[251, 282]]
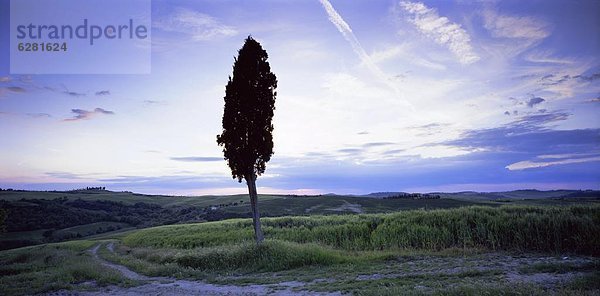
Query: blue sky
[[372, 96]]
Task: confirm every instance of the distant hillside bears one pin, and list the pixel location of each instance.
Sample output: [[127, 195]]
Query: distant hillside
[[522, 194], [515, 194]]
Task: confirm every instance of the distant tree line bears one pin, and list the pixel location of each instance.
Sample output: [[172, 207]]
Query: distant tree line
[[413, 196], [9, 189], [91, 189]]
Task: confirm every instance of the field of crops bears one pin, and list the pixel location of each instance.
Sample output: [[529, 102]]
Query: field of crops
[[519, 228]]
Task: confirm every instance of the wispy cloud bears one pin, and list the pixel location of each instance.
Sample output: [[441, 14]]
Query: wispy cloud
[[546, 57], [154, 102], [594, 100], [377, 144], [103, 93], [197, 158], [39, 115], [552, 79], [534, 101], [521, 27], [535, 121], [81, 114], [527, 164], [11, 89], [568, 155], [15, 89], [67, 175], [73, 94], [516, 34], [346, 31], [441, 30], [200, 26], [406, 52]]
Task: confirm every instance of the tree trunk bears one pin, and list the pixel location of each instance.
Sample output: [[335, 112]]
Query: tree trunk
[[251, 182]]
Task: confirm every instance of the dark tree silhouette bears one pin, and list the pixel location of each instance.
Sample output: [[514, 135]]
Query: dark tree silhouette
[[2, 220], [247, 137]]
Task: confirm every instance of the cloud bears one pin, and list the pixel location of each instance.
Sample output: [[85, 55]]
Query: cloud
[[523, 165], [589, 78], [11, 89], [154, 102], [103, 93], [551, 79], [16, 89], [73, 94], [350, 150], [81, 114], [171, 182], [39, 115], [534, 101], [441, 30], [518, 27], [200, 26], [529, 136], [5, 79], [387, 54], [430, 128], [346, 31], [568, 155], [535, 121], [546, 57], [67, 175], [197, 158], [377, 144], [594, 100], [406, 52]]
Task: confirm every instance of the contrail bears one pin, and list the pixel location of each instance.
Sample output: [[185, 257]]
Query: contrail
[[346, 31]]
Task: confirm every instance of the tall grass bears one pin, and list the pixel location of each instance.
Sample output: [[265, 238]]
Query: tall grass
[[547, 229], [272, 255]]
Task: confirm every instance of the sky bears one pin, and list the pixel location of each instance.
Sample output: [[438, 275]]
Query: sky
[[372, 96]]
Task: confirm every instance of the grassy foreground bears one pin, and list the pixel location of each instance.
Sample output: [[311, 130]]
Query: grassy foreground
[[446, 252]]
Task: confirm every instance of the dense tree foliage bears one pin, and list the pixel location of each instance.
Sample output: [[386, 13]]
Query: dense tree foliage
[[247, 137]]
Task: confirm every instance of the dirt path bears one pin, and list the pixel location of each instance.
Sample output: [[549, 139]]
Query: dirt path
[[126, 272], [171, 286]]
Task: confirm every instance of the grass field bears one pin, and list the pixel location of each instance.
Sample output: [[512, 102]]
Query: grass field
[[468, 250], [518, 228]]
